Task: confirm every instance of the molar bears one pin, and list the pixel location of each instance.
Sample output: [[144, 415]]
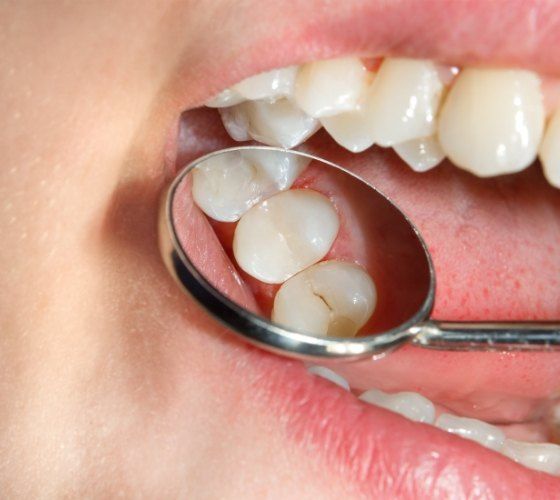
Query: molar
[[492, 121], [329, 375], [544, 457], [285, 234], [331, 298]]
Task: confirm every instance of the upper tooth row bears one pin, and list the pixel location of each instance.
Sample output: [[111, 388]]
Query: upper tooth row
[[487, 121], [539, 456]]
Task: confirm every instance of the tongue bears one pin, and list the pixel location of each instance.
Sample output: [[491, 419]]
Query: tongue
[[493, 242]]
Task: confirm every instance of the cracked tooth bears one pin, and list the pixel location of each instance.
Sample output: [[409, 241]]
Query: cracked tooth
[[544, 457], [473, 429], [492, 121], [277, 123], [326, 88], [420, 154], [225, 98], [411, 405], [269, 85], [224, 188], [285, 234], [330, 298], [329, 375], [549, 152], [404, 100]]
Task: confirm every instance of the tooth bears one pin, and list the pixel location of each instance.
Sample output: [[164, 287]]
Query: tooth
[[269, 85], [549, 152], [351, 130], [473, 429], [492, 121], [285, 234], [408, 404], [326, 88], [329, 375], [331, 298], [420, 154], [225, 98], [404, 100], [544, 457], [224, 188], [277, 123]]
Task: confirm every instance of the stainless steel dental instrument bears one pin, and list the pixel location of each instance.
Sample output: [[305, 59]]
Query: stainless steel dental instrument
[[406, 300]]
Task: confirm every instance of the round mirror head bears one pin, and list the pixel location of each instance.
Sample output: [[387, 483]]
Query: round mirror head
[[295, 253]]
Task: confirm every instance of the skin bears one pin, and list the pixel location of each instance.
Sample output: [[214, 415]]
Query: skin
[[112, 381]]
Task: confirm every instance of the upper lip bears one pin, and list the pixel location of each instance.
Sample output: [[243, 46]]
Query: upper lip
[[509, 33]]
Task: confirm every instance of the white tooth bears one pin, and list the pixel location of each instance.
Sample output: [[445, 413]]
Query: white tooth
[[420, 154], [492, 121], [285, 234], [277, 123], [236, 122], [473, 429], [544, 457], [225, 187], [225, 98], [326, 88], [549, 152], [408, 404], [269, 85], [331, 298], [352, 129], [331, 376], [404, 100]]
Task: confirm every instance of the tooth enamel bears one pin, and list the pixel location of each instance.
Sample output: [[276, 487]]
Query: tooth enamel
[[473, 429], [544, 457], [285, 234], [277, 123], [420, 154], [404, 100], [549, 152], [225, 98], [351, 130], [226, 189], [408, 404], [269, 85], [331, 298], [326, 88], [492, 121], [329, 375]]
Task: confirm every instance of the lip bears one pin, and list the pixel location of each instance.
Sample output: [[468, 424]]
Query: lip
[[371, 445]]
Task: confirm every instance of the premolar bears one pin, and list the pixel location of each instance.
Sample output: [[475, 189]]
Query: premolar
[[331, 298], [492, 121], [408, 404], [473, 429], [421, 154], [224, 189], [270, 85], [285, 234], [539, 456]]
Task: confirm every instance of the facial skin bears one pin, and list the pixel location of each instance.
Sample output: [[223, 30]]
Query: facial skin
[[113, 382]]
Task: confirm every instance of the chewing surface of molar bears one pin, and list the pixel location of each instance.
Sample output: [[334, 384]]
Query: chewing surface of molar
[[279, 123], [269, 85], [492, 120], [226, 186], [549, 152], [330, 298], [285, 234], [326, 88]]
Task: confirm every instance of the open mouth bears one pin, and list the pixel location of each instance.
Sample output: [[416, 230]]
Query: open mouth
[[471, 153]]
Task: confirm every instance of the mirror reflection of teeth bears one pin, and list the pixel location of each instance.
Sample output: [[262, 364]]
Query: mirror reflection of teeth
[[486, 121]]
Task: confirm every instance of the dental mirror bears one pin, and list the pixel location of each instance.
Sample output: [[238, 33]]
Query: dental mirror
[[301, 257]]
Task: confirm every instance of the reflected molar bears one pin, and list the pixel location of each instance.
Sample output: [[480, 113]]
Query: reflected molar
[[492, 121], [544, 457], [422, 154], [331, 298], [404, 100], [270, 85], [549, 152], [411, 405], [470, 428], [285, 234], [279, 123], [326, 88], [225, 189]]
